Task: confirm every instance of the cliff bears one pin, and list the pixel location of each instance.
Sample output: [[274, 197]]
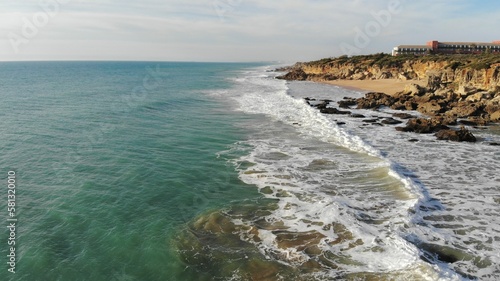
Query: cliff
[[458, 86], [461, 89], [481, 72]]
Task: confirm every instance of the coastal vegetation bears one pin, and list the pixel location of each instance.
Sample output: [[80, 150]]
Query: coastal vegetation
[[382, 60]]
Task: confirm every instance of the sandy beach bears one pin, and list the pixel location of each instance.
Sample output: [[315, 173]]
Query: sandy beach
[[388, 86]]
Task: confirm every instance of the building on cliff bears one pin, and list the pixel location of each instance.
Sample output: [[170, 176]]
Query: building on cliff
[[436, 47]]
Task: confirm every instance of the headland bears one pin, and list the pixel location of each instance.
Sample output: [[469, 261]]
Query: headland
[[451, 89]]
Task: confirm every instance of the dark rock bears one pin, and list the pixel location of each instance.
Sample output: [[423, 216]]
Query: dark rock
[[443, 253], [453, 135], [285, 68], [423, 126], [403, 115], [322, 105], [355, 115], [340, 123], [398, 105], [374, 100], [467, 123], [331, 110], [346, 102], [391, 121], [367, 104], [370, 120], [495, 144], [413, 140], [296, 74]]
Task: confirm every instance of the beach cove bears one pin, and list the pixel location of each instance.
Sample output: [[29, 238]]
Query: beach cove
[[387, 86]]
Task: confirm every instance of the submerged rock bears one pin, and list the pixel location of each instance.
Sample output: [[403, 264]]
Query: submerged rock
[[403, 115], [347, 102], [422, 126], [355, 115], [453, 135], [230, 244], [331, 110], [322, 105], [391, 121], [298, 240]]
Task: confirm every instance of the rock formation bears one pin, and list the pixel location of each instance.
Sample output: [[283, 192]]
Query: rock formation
[[466, 72], [453, 135], [465, 87]]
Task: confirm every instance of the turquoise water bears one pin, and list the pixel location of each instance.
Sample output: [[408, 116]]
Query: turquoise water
[[211, 171], [111, 160]]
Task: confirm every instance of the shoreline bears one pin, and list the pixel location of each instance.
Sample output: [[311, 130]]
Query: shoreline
[[387, 86], [396, 94]]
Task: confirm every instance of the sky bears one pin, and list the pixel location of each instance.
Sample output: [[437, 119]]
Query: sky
[[234, 30]]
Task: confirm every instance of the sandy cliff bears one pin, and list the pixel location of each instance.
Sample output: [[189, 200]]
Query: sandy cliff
[[452, 89], [453, 71]]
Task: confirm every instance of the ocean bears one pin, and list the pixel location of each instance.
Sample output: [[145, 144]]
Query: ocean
[[219, 171]]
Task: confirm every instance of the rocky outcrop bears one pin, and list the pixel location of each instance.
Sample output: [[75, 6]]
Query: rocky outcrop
[[332, 110], [374, 100], [423, 126], [495, 116], [295, 74], [459, 87], [480, 72], [347, 102], [479, 108], [454, 135], [436, 124]]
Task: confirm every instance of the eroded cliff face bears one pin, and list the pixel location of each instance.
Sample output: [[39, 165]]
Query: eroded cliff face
[[443, 72], [457, 86], [480, 79]]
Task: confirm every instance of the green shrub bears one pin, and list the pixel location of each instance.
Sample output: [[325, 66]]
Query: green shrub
[[382, 60], [454, 65]]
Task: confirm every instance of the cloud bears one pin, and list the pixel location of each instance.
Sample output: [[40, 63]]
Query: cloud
[[234, 29]]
